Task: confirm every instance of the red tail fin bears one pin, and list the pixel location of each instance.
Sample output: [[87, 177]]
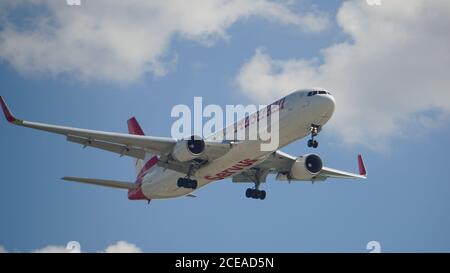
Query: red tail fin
[[134, 128], [136, 194], [141, 165]]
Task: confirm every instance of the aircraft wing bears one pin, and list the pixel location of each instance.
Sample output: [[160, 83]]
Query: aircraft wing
[[123, 144], [280, 163]]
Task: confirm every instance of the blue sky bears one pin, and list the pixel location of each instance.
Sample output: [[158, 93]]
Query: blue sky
[[403, 205]]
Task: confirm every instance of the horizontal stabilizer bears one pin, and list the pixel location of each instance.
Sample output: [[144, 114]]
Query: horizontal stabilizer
[[102, 182]]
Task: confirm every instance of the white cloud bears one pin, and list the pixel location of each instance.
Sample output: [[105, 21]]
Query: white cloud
[[52, 249], [123, 247], [392, 70], [119, 247], [121, 41]]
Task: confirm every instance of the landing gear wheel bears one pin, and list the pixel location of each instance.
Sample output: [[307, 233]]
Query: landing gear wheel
[[180, 182], [187, 183], [315, 144], [262, 195], [194, 184], [248, 193], [310, 143], [255, 194]]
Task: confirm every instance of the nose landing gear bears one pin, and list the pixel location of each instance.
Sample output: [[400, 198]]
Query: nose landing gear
[[313, 143], [315, 129]]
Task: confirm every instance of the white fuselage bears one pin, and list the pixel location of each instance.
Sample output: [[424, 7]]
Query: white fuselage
[[299, 111]]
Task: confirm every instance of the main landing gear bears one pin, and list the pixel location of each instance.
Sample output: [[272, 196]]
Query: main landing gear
[[255, 193], [187, 183], [315, 129]]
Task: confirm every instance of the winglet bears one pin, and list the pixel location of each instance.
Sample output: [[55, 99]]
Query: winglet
[[362, 168], [134, 128], [9, 116]]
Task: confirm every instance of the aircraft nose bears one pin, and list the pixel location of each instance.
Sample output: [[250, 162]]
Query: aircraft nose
[[323, 108], [331, 104], [326, 104]]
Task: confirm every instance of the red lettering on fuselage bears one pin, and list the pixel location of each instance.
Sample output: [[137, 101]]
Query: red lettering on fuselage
[[232, 170]]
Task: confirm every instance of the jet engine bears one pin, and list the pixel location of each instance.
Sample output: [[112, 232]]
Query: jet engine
[[306, 167], [188, 149]]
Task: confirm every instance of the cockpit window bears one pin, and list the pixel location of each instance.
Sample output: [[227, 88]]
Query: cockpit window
[[313, 93]]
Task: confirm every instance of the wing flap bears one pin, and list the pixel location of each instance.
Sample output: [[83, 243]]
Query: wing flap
[[111, 147], [159, 145]]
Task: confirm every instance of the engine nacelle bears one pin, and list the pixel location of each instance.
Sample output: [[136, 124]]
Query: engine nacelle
[[188, 149], [306, 167]]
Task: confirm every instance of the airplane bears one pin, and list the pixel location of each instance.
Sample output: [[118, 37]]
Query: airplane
[[169, 168]]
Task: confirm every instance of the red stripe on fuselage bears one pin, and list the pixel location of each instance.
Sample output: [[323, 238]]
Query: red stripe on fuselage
[[148, 165], [137, 194]]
